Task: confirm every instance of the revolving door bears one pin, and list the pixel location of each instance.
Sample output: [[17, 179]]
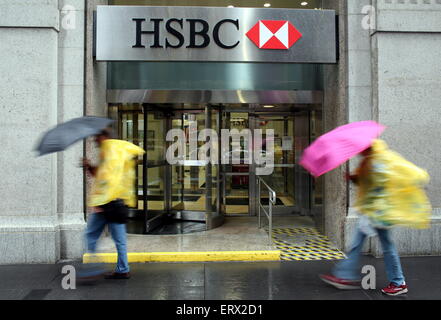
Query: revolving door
[[200, 194]]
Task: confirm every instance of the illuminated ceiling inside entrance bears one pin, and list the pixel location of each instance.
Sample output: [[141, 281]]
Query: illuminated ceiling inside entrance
[[293, 4]]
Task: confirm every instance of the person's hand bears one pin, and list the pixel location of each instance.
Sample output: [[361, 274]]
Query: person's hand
[[88, 167], [351, 177], [84, 162]]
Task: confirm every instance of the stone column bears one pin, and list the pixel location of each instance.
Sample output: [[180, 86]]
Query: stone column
[[394, 76], [71, 105], [406, 46], [334, 115], [360, 21], [96, 85], [41, 216]]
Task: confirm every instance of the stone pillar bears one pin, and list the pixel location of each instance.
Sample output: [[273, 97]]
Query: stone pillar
[[96, 72], [41, 209], [360, 20], [394, 76], [334, 115], [406, 46], [96, 85], [71, 105]]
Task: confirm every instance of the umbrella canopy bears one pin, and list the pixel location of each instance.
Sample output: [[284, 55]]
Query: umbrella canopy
[[66, 134], [339, 145]]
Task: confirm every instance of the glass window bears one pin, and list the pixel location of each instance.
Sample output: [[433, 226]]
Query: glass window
[[213, 76], [155, 139]]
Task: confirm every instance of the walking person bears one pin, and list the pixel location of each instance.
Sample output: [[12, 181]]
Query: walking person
[[113, 191], [389, 194]]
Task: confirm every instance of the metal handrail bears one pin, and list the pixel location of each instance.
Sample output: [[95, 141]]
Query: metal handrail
[[269, 214]]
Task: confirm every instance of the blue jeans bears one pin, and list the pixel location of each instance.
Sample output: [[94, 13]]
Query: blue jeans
[[95, 227], [349, 268]]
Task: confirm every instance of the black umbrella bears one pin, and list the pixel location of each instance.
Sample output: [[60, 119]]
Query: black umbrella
[[66, 134]]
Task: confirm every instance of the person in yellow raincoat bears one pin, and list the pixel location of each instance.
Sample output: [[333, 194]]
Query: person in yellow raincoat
[[113, 191], [390, 190], [390, 194]]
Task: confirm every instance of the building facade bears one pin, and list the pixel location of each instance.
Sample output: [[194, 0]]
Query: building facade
[[388, 69]]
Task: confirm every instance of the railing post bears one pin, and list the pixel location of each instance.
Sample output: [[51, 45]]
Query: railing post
[[270, 222], [272, 197]]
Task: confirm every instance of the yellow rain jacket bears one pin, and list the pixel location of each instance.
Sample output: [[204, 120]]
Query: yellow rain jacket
[[390, 190], [115, 176]]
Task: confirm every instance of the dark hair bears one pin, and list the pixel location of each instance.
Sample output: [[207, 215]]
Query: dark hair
[[105, 133], [367, 151]]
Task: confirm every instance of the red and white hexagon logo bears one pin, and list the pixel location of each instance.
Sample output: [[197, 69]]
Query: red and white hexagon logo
[[274, 34]]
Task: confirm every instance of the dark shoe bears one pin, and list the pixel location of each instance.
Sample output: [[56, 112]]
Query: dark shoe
[[340, 283], [117, 275], [89, 279], [394, 290]]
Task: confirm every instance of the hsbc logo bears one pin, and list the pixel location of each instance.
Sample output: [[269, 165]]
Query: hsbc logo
[[274, 34], [198, 33]]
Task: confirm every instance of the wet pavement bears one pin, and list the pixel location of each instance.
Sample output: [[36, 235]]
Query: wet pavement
[[236, 234], [217, 281]]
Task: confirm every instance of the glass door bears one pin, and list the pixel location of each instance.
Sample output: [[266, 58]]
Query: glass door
[[130, 127], [155, 168], [195, 180], [188, 175], [285, 180], [236, 166], [146, 127], [316, 130]]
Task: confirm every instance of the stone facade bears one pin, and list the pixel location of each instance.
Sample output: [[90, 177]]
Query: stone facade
[[389, 70], [41, 216], [334, 115], [394, 78]]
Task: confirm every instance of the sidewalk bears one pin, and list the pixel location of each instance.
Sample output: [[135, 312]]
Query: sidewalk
[[239, 239], [218, 281]]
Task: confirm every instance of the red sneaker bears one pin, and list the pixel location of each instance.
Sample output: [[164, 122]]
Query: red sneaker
[[394, 290], [340, 283]]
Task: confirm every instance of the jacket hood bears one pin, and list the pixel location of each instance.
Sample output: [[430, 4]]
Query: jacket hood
[[379, 145]]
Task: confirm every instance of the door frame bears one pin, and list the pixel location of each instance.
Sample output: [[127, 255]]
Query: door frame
[[306, 100]]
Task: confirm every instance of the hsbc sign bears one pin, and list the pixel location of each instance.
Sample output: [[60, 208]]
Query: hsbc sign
[[128, 33]]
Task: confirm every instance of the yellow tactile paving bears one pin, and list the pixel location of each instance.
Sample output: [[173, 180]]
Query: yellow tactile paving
[[316, 246]]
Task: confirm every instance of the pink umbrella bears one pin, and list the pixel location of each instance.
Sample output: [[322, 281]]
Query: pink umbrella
[[339, 145]]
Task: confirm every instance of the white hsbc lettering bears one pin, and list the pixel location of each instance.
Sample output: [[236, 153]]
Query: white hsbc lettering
[[199, 35]]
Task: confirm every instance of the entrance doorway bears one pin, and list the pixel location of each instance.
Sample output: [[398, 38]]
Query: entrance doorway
[[200, 194]]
